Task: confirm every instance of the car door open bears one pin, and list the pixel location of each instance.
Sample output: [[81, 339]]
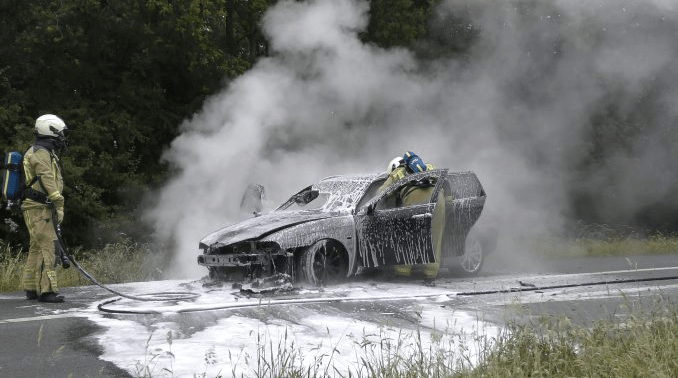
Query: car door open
[[398, 235]]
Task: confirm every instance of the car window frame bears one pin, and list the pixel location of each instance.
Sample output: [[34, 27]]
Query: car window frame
[[370, 206]]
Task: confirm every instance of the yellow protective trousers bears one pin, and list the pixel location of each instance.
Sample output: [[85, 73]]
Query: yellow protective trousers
[[437, 228], [39, 272]]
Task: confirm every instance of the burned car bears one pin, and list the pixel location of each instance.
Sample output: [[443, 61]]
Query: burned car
[[343, 225]]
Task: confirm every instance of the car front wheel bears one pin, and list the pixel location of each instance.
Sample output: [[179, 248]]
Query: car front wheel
[[324, 263]]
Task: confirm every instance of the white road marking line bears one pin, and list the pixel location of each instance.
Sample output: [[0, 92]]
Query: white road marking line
[[42, 317]]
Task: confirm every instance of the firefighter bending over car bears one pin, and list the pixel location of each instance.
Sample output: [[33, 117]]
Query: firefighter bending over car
[[43, 195], [412, 195]]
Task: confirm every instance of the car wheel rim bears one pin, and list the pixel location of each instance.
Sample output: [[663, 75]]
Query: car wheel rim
[[473, 258], [319, 264], [328, 264]]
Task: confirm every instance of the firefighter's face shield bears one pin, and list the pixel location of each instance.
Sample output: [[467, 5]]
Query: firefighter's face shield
[[61, 139]]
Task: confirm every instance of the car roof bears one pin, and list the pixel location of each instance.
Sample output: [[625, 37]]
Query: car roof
[[354, 177], [345, 190]]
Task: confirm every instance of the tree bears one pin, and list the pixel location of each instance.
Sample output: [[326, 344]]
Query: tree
[[123, 75], [398, 22]]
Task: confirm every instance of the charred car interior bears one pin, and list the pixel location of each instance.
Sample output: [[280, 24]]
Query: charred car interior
[[330, 231]]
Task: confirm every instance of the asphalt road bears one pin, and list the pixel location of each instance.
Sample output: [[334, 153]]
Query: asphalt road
[[60, 340], [49, 340]]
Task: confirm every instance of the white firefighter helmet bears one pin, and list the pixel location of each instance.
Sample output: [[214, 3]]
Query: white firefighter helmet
[[51, 126], [395, 163]]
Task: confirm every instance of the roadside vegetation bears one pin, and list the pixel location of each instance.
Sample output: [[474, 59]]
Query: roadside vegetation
[[562, 248], [603, 240], [640, 345], [120, 262]]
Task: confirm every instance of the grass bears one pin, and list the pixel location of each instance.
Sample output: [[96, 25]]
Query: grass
[[387, 353], [11, 266], [642, 345], [116, 263], [559, 248], [639, 345]]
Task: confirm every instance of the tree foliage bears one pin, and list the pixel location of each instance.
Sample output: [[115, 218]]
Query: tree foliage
[[398, 22], [123, 75]]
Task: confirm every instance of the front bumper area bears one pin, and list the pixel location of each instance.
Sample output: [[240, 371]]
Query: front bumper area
[[244, 254], [232, 260]]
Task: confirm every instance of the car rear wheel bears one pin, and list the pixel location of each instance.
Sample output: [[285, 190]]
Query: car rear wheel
[[324, 263], [471, 261]]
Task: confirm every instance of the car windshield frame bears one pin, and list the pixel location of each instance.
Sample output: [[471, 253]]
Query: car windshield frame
[[341, 193]]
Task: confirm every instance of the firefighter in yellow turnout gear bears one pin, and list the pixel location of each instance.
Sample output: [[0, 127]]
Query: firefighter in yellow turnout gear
[[413, 195], [42, 168]]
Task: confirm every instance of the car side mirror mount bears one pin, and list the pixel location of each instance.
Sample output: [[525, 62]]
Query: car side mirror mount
[[252, 200], [367, 210]]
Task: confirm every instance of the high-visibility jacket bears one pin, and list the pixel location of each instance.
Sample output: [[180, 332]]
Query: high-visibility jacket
[[44, 163], [410, 195]]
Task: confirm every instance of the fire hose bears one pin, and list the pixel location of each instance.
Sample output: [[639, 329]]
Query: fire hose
[[61, 250]]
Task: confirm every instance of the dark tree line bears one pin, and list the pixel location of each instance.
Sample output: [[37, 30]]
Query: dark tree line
[[123, 75]]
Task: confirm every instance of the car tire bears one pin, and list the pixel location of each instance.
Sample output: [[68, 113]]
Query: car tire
[[324, 263], [470, 263]]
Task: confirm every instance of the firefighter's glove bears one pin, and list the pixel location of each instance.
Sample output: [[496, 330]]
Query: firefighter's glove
[[60, 215]]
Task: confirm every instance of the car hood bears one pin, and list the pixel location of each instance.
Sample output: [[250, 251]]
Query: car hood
[[258, 227]]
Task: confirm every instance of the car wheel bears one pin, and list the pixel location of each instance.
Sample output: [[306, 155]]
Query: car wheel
[[471, 261], [323, 263]]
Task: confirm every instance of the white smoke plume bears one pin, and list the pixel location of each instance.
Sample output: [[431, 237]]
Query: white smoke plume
[[516, 108]]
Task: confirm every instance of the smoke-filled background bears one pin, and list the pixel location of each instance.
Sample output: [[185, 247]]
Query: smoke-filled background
[[565, 109]]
